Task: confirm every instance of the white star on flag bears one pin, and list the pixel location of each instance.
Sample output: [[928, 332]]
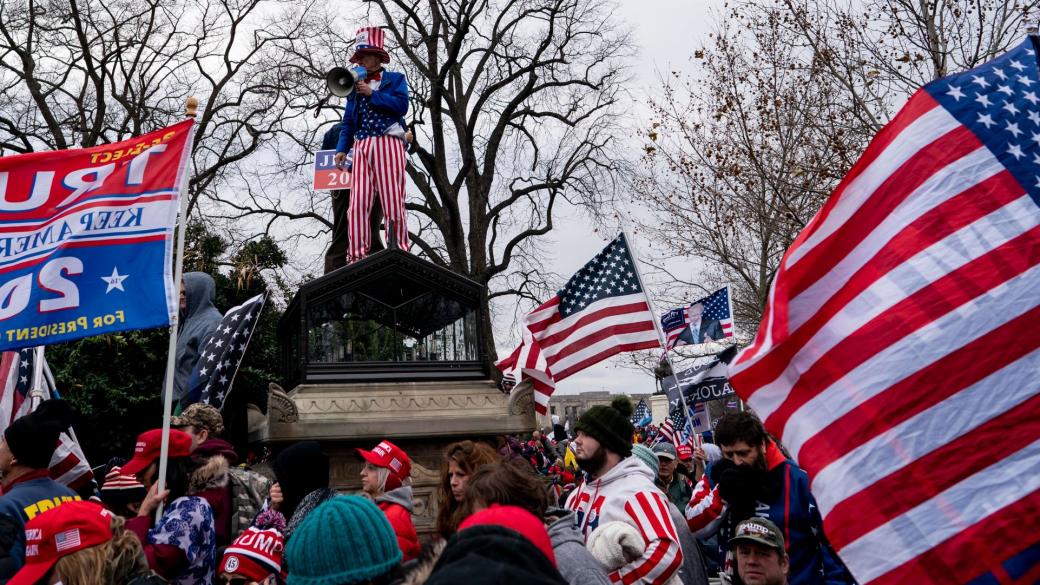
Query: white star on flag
[[115, 281]]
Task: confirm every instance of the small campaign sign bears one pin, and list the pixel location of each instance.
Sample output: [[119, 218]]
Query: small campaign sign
[[86, 237], [326, 176]]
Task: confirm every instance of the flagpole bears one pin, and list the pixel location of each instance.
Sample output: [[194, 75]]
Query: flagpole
[[657, 324], [191, 110], [732, 315], [36, 389]]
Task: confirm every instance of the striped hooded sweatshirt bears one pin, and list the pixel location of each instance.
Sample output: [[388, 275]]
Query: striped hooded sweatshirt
[[627, 494]]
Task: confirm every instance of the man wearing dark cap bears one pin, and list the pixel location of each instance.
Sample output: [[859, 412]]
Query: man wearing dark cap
[[25, 455], [621, 488], [761, 556], [755, 478]]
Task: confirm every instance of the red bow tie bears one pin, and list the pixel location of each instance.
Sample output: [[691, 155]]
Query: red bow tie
[[376, 76]]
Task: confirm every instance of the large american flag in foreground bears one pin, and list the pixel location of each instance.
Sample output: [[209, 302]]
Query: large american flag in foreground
[[600, 312], [898, 355], [68, 465]]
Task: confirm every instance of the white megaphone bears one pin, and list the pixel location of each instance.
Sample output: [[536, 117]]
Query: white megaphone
[[341, 80]]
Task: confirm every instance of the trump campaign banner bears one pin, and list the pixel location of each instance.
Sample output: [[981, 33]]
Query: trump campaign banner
[[86, 238], [327, 177]]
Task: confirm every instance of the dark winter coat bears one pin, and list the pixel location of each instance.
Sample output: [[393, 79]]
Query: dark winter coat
[[490, 555], [23, 500], [783, 497], [210, 482]]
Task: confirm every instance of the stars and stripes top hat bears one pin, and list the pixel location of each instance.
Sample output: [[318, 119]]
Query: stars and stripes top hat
[[58, 532], [369, 39]]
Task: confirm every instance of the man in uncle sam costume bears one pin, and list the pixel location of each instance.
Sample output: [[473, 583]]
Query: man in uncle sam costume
[[374, 130]]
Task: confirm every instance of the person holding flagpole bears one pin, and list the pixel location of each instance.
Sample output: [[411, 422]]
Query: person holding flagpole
[[374, 130]]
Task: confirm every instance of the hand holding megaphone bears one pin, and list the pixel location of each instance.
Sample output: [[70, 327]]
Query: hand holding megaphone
[[342, 81]]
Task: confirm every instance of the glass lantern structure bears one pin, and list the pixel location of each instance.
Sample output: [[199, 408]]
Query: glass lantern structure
[[388, 317]]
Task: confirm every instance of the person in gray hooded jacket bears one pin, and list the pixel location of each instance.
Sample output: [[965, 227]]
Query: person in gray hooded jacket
[[575, 562], [199, 318]]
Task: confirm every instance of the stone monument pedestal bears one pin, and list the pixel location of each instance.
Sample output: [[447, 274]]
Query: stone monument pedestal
[[389, 348]]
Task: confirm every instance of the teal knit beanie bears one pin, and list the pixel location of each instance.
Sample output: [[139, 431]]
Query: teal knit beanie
[[345, 540], [647, 456]]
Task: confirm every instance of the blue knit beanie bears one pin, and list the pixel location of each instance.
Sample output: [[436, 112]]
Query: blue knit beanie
[[345, 540], [644, 454]]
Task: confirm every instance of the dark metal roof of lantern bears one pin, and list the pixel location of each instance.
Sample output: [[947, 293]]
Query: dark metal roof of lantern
[[388, 317]]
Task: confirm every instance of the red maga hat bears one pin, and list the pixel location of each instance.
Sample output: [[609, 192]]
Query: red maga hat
[[390, 456], [58, 532], [148, 447]]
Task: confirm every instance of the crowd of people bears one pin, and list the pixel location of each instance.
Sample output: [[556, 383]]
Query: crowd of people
[[596, 508]]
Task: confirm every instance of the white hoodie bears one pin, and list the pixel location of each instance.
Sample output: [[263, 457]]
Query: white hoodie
[[627, 494]]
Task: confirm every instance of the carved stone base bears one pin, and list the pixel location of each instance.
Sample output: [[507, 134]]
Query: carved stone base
[[420, 417]]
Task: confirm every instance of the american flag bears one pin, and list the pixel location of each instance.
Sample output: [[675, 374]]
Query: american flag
[[641, 413], [68, 465], [67, 540], [898, 353], [707, 319], [222, 355], [666, 432], [675, 430], [600, 312]]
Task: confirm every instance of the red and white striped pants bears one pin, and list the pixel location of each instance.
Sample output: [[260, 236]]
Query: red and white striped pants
[[379, 163]]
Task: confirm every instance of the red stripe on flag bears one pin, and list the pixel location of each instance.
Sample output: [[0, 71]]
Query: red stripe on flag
[[920, 104], [912, 313], [920, 391], [975, 550], [113, 202], [548, 342], [604, 355], [916, 171], [578, 344], [64, 466], [947, 218], [933, 473]]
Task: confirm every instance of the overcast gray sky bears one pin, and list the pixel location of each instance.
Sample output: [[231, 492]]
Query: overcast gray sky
[[666, 36]]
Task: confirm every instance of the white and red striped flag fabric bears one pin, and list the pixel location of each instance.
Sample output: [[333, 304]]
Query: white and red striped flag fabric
[[898, 355], [68, 465], [600, 312]]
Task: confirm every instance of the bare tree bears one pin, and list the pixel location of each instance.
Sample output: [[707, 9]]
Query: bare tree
[[77, 73], [881, 51], [740, 157], [514, 107], [786, 96]]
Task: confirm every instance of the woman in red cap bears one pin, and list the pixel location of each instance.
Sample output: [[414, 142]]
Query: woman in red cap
[[385, 478], [181, 546], [81, 543]]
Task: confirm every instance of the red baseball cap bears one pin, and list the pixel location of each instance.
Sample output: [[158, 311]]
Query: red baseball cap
[[685, 452], [58, 532], [390, 456], [149, 443]]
